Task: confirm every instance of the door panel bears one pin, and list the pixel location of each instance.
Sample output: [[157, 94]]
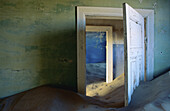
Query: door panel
[[134, 50]]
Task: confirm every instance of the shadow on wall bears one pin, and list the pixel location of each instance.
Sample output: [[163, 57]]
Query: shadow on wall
[[44, 57], [118, 60], [159, 73], [58, 59]]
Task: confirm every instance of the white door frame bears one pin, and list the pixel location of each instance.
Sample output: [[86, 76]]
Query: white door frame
[[109, 48], [115, 13]]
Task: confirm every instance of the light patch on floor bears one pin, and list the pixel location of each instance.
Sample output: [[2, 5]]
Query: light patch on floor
[[96, 86]]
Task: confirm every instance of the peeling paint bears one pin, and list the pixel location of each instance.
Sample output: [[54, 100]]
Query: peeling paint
[[140, 1], [10, 4], [154, 5], [30, 48]]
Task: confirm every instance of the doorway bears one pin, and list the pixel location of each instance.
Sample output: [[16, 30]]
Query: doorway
[[99, 51], [114, 13], [97, 84]]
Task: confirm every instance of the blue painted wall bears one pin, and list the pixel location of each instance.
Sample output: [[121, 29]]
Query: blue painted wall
[[118, 60], [95, 47], [96, 52]]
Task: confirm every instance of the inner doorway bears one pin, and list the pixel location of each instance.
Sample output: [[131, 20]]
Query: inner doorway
[[97, 85], [96, 53]]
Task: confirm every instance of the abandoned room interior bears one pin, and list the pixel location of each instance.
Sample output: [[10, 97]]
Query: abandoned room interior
[[84, 55]]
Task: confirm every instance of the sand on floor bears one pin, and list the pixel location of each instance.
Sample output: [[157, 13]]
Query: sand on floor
[[96, 87], [149, 96], [152, 95], [95, 72], [108, 92]]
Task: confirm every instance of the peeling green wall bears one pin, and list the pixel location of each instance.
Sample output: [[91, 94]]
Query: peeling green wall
[[38, 41], [162, 37]]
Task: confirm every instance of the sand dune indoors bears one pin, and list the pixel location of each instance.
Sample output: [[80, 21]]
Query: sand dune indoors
[[149, 96]]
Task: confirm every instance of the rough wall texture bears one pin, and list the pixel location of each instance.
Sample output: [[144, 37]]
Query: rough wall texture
[[38, 41], [37, 45], [95, 47], [162, 37]]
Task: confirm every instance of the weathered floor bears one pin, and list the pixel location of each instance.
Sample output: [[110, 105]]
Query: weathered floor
[[149, 96]]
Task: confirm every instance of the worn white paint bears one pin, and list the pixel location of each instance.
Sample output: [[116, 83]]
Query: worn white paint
[[105, 17], [109, 48], [82, 13], [150, 46], [149, 15], [134, 50]]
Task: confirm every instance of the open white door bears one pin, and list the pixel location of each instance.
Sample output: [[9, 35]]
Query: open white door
[[133, 50]]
